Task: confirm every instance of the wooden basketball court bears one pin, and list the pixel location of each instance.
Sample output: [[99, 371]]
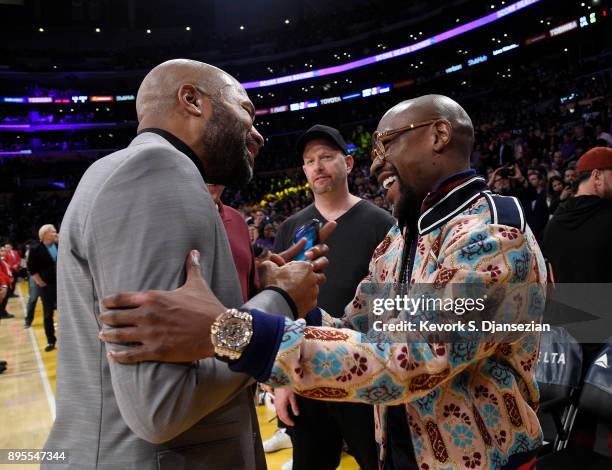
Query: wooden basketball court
[[27, 388]]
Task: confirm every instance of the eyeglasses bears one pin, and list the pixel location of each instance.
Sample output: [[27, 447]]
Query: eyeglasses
[[379, 138]]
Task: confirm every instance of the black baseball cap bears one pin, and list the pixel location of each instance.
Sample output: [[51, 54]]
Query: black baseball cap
[[319, 131]]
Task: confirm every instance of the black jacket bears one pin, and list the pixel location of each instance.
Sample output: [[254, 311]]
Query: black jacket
[[40, 262], [577, 240]]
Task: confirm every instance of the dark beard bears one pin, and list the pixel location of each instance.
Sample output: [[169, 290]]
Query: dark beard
[[408, 208], [227, 158]]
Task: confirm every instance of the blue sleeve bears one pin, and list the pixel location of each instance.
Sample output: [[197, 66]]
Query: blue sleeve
[[314, 317], [258, 357]]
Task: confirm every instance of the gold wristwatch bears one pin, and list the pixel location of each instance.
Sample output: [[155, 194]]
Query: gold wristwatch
[[231, 333]]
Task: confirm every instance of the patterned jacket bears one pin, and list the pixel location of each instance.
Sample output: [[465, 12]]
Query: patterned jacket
[[469, 404]]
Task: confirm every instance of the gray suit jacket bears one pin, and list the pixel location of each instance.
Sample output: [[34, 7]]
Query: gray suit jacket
[[133, 218]]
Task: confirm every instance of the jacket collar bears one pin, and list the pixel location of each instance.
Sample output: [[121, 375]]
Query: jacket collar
[[179, 145], [452, 195]]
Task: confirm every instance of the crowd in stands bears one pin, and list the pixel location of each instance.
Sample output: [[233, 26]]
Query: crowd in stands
[[528, 137]]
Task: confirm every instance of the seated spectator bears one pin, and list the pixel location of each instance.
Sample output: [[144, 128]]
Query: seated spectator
[[7, 275], [555, 188], [534, 202], [269, 234], [602, 135], [569, 175]]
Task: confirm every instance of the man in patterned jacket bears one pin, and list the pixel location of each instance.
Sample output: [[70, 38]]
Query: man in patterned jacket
[[443, 404]]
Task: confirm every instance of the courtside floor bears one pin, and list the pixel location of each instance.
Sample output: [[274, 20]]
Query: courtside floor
[[27, 388]]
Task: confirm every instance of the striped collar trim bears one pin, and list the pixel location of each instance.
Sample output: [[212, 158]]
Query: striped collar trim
[[451, 204]]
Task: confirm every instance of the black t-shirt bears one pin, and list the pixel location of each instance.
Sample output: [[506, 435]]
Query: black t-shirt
[[351, 245]]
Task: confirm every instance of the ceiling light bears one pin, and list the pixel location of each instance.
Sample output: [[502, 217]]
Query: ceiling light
[[241, 28], [187, 28], [148, 31], [41, 30], [287, 21], [98, 30]]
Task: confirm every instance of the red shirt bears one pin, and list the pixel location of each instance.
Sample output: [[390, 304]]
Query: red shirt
[[242, 251], [6, 277], [13, 259]]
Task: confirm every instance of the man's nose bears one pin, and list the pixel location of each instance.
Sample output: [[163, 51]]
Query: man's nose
[[257, 137]]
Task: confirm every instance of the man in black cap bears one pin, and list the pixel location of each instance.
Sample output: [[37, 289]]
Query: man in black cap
[[319, 427]]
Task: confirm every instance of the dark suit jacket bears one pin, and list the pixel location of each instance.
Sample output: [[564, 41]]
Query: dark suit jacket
[[40, 262]]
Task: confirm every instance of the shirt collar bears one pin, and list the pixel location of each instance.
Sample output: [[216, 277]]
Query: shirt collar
[[179, 145], [452, 195]]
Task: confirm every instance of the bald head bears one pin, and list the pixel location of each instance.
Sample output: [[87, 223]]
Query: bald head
[[206, 109], [428, 107], [158, 92]]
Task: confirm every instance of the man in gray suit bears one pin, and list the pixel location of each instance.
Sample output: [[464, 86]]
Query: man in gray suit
[[133, 218]]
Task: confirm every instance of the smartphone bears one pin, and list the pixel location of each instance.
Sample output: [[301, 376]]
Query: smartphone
[[310, 231]]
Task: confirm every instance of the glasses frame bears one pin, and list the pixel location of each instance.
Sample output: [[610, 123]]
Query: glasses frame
[[379, 138]]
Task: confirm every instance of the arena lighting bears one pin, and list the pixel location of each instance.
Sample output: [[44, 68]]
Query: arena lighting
[[14, 127], [303, 105], [537, 38], [259, 112], [510, 9], [61, 100], [80, 99], [568, 98], [592, 19], [477, 60], [279, 109], [505, 49], [331, 100], [454, 68], [564, 28], [403, 83], [13, 99], [377, 90], [125, 98], [352, 96], [18, 152], [102, 99], [40, 99], [30, 128]]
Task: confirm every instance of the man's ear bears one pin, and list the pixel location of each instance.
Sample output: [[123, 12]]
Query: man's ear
[[193, 102], [442, 135], [350, 162]]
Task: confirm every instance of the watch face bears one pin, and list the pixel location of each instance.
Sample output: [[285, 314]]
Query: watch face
[[234, 334]]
